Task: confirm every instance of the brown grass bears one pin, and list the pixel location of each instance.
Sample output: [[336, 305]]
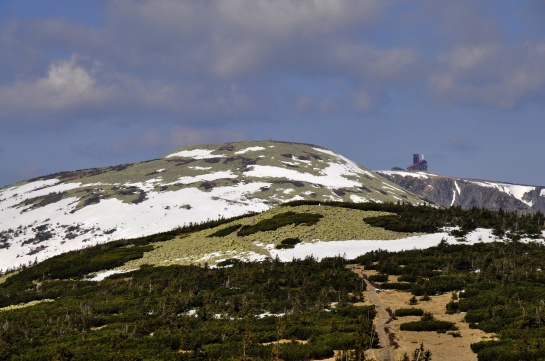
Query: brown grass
[[443, 347]]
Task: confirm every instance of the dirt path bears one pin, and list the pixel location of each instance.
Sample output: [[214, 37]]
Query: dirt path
[[394, 342], [382, 320]]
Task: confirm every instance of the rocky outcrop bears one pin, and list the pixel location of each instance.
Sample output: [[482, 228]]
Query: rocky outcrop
[[468, 193]]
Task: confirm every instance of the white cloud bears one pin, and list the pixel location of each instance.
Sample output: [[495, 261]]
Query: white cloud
[[307, 18], [491, 74], [67, 85]]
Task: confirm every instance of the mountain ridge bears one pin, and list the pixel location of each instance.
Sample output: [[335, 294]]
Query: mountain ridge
[[471, 192], [68, 210]]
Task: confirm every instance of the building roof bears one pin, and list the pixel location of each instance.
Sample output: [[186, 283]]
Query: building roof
[[422, 162]]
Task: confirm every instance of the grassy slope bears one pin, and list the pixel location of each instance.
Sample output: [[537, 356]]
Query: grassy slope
[[337, 224]]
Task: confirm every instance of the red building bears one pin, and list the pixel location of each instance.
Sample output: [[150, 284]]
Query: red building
[[418, 164]]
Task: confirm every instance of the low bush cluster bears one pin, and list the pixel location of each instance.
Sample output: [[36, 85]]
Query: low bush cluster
[[280, 220], [400, 312]]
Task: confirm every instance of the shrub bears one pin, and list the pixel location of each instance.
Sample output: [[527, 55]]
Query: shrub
[[434, 325], [280, 220], [407, 278], [288, 243], [378, 278], [225, 231], [409, 312], [396, 286]]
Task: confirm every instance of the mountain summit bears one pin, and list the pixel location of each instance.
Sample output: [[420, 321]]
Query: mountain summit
[[49, 215]]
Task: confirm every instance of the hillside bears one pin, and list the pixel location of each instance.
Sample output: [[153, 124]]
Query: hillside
[[468, 193], [309, 308], [49, 215]]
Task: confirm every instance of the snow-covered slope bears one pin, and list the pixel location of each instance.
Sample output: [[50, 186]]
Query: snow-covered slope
[[46, 216], [467, 193]]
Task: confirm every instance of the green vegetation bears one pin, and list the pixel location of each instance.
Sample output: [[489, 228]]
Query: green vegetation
[[288, 243], [426, 219], [401, 312], [428, 323], [378, 278], [280, 220], [189, 313], [225, 231], [243, 310], [219, 243], [500, 286]]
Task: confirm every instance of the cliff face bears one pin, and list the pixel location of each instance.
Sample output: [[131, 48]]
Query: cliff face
[[468, 193]]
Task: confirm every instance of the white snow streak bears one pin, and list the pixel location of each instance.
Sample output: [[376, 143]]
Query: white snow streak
[[205, 177], [250, 149], [420, 175], [349, 165], [354, 248], [196, 154]]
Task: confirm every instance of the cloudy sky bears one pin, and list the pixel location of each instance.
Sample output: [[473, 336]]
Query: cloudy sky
[[91, 83]]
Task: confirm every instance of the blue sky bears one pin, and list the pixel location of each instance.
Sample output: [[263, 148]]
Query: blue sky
[[94, 83]]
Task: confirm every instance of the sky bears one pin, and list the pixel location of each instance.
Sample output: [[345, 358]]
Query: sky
[[92, 83]]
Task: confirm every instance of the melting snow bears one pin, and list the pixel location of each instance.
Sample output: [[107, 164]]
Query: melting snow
[[332, 176], [514, 190], [357, 199], [250, 149], [196, 154], [349, 165], [127, 220], [420, 175], [100, 276], [205, 177], [355, 248], [268, 314]]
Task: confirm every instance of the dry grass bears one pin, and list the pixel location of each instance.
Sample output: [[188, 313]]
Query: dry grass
[[198, 248], [23, 305], [443, 347]]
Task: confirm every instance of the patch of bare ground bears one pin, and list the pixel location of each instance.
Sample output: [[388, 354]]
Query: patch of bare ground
[[335, 354], [443, 347], [284, 340]]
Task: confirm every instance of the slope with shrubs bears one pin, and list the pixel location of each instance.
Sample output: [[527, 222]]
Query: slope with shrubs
[[244, 310], [500, 286], [190, 313]]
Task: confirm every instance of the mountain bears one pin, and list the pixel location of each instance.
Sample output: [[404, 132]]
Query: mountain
[[49, 215], [468, 193], [151, 301]]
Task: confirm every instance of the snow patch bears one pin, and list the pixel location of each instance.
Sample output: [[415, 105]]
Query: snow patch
[[196, 154], [516, 191], [457, 187], [250, 149], [357, 199], [354, 248], [100, 276], [350, 166], [420, 175], [205, 177], [268, 314], [332, 176]]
